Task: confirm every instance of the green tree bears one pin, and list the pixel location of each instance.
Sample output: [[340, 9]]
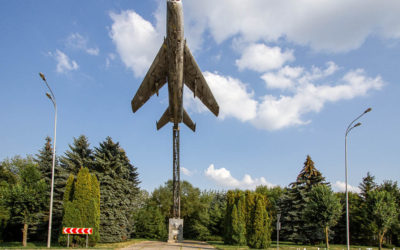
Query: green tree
[[274, 195], [194, 208], [7, 179], [356, 219], [260, 237], [25, 198], [295, 227], [44, 159], [79, 155], [238, 225], [384, 212], [367, 185], [217, 214], [118, 187], [247, 219], [230, 202], [81, 206], [393, 234], [149, 223], [323, 208]]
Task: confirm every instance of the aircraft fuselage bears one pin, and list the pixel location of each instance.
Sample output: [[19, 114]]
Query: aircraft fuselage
[[175, 53]]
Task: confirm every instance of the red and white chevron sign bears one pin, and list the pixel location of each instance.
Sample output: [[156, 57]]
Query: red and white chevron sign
[[77, 230]]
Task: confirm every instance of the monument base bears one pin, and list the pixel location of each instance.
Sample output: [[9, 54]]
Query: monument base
[[175, 230]]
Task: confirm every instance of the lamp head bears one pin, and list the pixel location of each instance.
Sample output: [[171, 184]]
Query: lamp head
[[42, 76], [358, 124], [368, 110], [49, 96]]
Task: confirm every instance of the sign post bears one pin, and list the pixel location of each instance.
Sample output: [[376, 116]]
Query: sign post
[[77, 230]]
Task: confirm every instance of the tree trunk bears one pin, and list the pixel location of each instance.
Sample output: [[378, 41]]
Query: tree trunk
[[380, 236], [24, 235], [327, 237]]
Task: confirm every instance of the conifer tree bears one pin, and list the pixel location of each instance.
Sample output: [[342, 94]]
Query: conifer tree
[[247, 220], [368, 184], [230, 202], [260, 237], [250, 204], [79, 155], [81, 206], [118, 186], [217, 214], [238, 226], [295, 226], [44, 159]]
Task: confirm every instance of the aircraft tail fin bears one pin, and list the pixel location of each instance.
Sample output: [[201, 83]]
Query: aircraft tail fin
[[188, 122], [165, 118]]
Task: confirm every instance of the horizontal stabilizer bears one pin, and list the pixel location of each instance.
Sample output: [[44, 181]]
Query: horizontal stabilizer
[[165, 118], [188, 122]]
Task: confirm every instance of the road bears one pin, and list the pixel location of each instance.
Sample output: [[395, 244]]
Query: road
[[185, 245]]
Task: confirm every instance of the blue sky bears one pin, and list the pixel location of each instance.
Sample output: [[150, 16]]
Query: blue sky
[[288, 76]]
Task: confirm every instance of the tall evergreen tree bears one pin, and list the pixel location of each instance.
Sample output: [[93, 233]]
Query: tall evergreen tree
[[79, 155], [260, 237], [230, 201], [217, 214], [238, 224], [44, 159], [274, 195], [368, 184], [294, 223], [81, 207], [118, 186], [247, 219]]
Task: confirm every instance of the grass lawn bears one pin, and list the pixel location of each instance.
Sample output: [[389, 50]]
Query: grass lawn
[[43, 245], [292, 246], [119, 244]]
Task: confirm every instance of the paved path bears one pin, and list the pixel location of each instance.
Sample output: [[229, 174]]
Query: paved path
[[185, 245]]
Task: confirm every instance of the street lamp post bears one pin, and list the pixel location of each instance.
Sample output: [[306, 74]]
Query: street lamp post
[[349, 128], [278, 227], [53, 100]]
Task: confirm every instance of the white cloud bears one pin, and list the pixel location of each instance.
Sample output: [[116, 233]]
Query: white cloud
[[340, 186], [283, 79], [136, 39], [288, 110], [233, 97], [261, 58], [64, 64], [223, 177], [336, 26], [77, 41], [308, 95], [186, 171]]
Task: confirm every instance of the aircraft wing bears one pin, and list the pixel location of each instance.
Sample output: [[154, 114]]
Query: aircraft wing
[[155, 78], [194, 79]]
